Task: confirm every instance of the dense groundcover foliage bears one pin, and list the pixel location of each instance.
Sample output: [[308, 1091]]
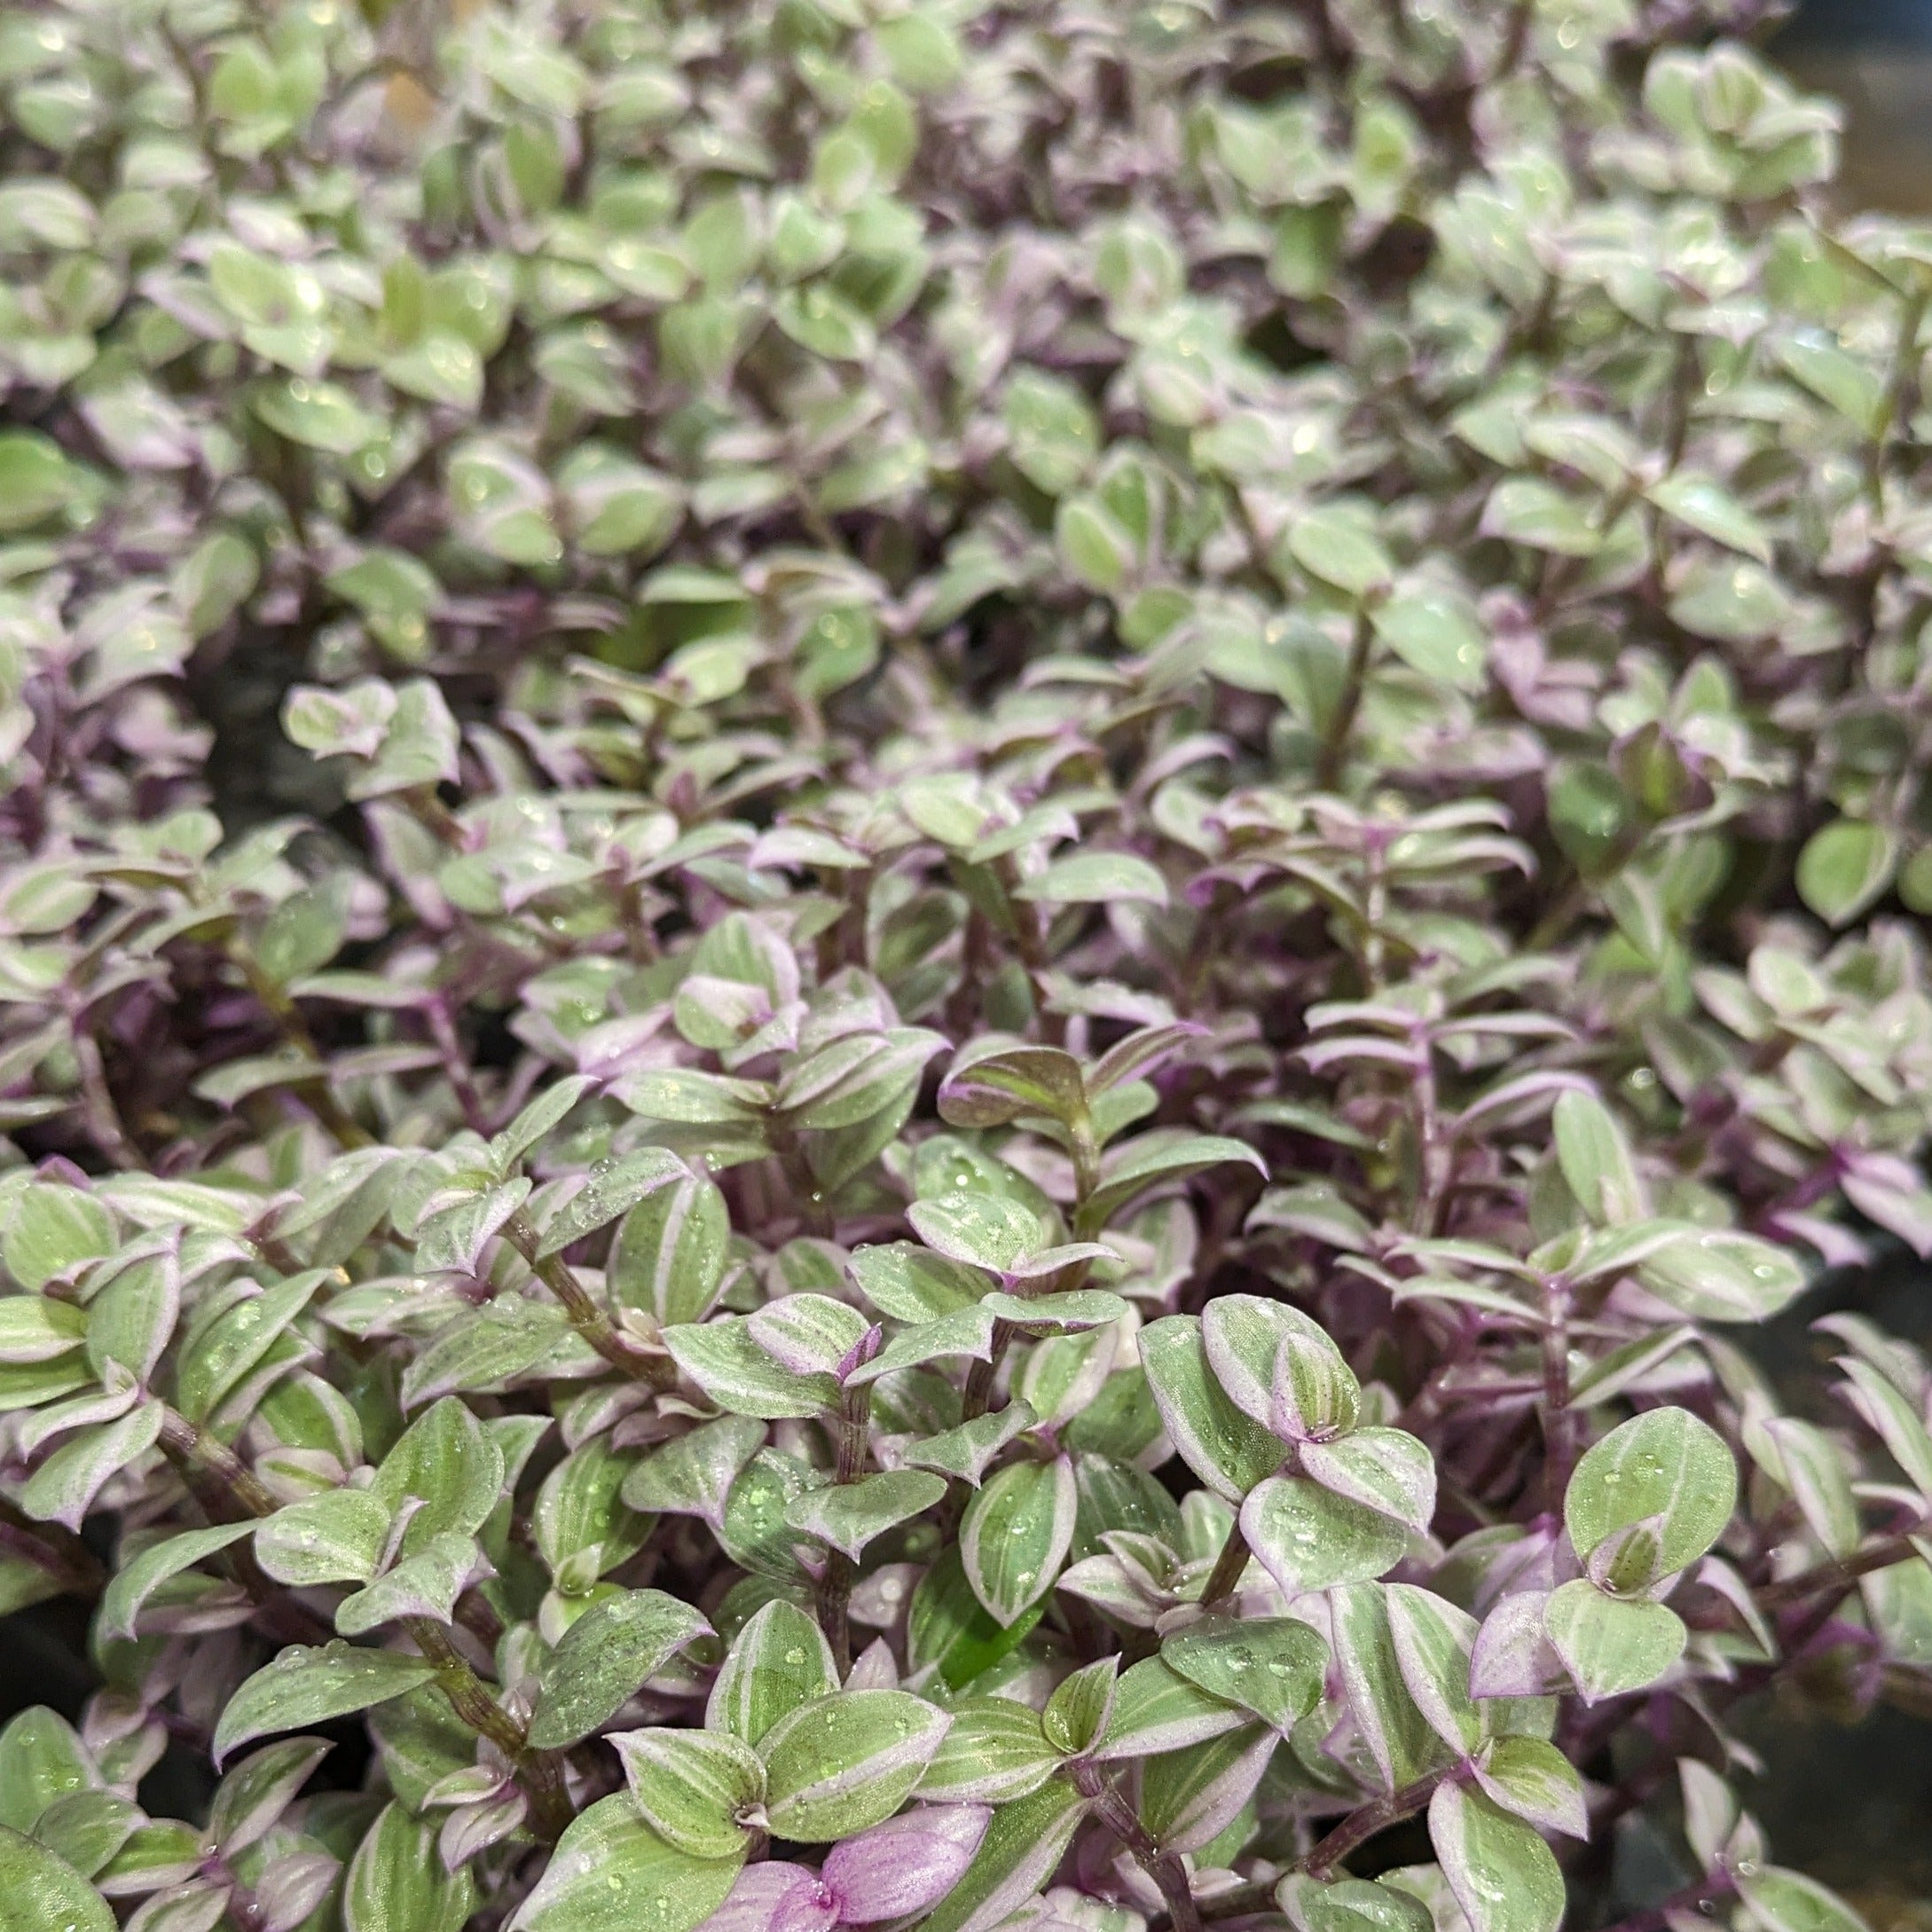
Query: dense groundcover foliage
[[1092, 839]]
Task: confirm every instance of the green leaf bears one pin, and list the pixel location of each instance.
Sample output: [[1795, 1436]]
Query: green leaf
[[1023, 1846], [36, 480], [1531, 1778], [1255, 1345], [1227, 1450], [1720, 1275], [1612, 1645], [991, 1090], [42, 1892], [993, 1752], [1434, 1640], [1702, 504], [310, 1686], [318, 415], [1350, 1905], [1529, 511], [1386, 1470], [42, 1758], [1095, 550], [725, 1361], [1160, 1156], [1015, 1535], [1095, 878], [967, 1451], [426, 1584], [1437, 633], [779, 1662], [1190, 1797], [140, 1577], [693, 1474], [1308, 1539], [611, 1187], [1155, 1709], [52, 1230], [1782, 1901], [1664, 1467], [846, 1762], [912, 1283], [611, 1873], [1397, 1735], [691, 1785], [1273, 1666], [1338, 550], [1077, 1712], [807, 1334], [63, 1488], [1845, 867], [451, 1465], [979, 1230], [336, 1537], [219, 1363], [1504, 1877], [1596, 1160], [849, 1515], [397, 1881], [615, 1648]]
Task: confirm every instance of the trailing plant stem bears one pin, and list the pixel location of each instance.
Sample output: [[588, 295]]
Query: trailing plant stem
[[1164, 1868]]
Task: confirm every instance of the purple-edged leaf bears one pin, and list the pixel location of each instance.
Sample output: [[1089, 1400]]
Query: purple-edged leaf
[[966, 1335], [1398, 1737], [846, 1762], [1078, 1711], [691, 1787], [63, 1488], [1531, 1778], [849, 1515], [1504, 1877], [608, 1862], [981, 1230], [611, 1187], [1350, 1905], [1155, 1709], [1307, 1537], [1015, 1535], [995, 1750], [305, 1687], [1612, 1645], [1249, 1340], [724, 1359], [1433, 1639], [1386, 1470], [691, 1474], [807, 1334], [1023, 1846], [779, 1662], [1164, 1155], [1076, 1313], [912, 1283], [1189, 1798], [1140, 1052], [1272, 1666], [775, 1896], [668, 1258], [1512, 1657], [906, 1865], [991, 1089], [967, 1450], [618, 1645], [1229, 1451]]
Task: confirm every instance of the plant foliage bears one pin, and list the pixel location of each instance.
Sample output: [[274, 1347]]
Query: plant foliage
[[922, 928]]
